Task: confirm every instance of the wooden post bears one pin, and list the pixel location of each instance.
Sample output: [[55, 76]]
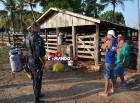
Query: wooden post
[[74, 41], [138, 57], [126, 33], [137, 36], [14, 40], [57, 33], [76, 46], [130, 35], [9, 38], [45, 35], [46, 38], [2, 39], [96, 50]]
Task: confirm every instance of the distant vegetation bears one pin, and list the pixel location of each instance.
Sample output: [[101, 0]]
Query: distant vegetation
[[118, 17], [16, 15]]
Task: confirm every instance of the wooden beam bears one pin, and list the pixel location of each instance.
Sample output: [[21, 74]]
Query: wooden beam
[[86, 42], [87, 36], [45, 35], [74, 40], [97, 45], [86, 47], [52, 40], [52, 36], [9, 38], [2, 39], [85, 52], [51, 43], [57, 33], [85, 56], [76, 45]]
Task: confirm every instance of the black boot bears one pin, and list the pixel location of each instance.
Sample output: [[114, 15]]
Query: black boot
[[38, 101]]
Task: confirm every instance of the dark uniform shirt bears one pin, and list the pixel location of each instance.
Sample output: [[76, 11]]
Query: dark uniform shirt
[[39, 51], [39, 45]]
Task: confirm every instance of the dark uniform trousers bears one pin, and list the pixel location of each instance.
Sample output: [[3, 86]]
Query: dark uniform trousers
[[37, 81]]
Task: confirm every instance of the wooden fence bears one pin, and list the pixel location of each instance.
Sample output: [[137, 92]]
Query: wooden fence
[[14, 39], [85, 43]]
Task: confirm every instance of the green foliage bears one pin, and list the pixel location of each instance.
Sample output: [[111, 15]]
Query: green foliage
[[114, 3], [71, 5], [92, 8], [18, 15], [118, 17]]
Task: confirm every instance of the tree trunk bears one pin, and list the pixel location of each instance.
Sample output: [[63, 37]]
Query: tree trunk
[[21, 21], [113, 12], [11, 11], [32, 12]]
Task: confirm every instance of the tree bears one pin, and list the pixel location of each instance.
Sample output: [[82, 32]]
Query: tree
[[118, 17], [5, 20], [32, 4], [20, 9], [92, 8], [10, 7], [114, 3], [71, 5]]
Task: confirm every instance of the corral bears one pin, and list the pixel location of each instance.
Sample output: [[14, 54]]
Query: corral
[[83, 36]]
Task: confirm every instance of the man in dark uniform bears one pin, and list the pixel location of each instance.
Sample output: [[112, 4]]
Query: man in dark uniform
[[36, 61]]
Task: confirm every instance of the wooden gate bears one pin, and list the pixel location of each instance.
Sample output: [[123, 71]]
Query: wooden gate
[[85, 45]]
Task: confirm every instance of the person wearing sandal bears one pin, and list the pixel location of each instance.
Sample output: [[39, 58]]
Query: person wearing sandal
[[110, 47], [123, 60]]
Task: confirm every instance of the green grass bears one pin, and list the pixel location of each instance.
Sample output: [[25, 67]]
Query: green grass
[[4, 55]]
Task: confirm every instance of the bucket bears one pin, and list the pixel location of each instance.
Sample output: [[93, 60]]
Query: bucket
[[20, 53], [60, 39], [70, 63]]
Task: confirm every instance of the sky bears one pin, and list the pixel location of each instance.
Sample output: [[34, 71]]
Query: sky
[[130, 12]]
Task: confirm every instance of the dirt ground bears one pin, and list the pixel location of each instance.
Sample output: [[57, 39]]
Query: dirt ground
[[77, 86]]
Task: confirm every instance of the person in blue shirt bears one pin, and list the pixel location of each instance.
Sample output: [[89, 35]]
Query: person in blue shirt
[[36, 61], [110, 47]]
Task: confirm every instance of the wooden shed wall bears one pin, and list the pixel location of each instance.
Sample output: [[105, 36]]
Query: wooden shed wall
[[59, 19]]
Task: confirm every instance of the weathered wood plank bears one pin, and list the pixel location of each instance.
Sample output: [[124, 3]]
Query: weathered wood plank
[[68, 20], [52, 47], [86, 42], [52, 36], [84, 56], [2, 38], [86, 36], [51, 43], [50, 50], [97, 45], [68, 39], [86, 47], [91, 52], [74, 40], [52, 40]]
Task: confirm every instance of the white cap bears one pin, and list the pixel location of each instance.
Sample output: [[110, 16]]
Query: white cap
[[111, 32]]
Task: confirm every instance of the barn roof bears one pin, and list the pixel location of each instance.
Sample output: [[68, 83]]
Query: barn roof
[[50, 11]]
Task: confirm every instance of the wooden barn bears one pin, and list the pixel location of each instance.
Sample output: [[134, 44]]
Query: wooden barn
[[83, 35]]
